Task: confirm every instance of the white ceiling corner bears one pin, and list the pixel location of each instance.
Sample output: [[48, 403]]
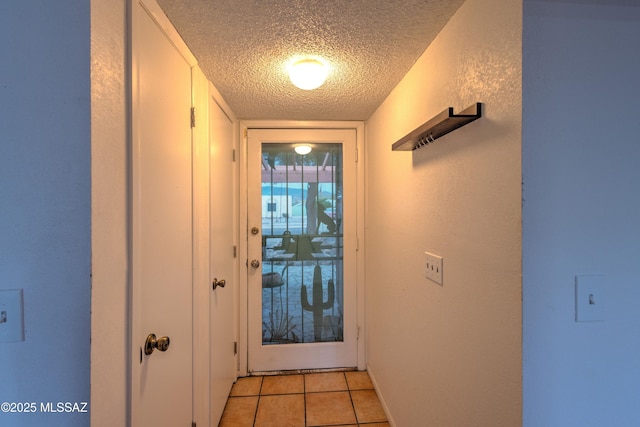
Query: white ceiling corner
[[242, 46]]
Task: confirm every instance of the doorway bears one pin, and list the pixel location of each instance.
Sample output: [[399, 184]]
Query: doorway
[[302, 249]]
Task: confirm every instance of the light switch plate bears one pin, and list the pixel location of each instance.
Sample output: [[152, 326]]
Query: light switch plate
[[590, 305], [433, 267], [11, 315]]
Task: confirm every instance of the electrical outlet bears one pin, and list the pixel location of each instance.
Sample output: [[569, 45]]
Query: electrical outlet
[[11, 316], [433, 267]]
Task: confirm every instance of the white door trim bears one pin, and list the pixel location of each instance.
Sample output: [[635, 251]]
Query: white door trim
[[245, 125], [158, 15], [201, 238]]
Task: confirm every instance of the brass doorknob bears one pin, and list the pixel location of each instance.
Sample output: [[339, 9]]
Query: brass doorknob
[[255, 263], [152, 343], [217, 283]]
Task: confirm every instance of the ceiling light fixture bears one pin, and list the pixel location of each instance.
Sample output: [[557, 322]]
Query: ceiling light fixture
[[302, 149], [308, 73]]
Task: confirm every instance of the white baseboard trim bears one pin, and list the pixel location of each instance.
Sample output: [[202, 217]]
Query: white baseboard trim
[[381, 397]]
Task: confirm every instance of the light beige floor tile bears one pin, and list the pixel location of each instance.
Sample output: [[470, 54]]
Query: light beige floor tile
[[282, 404], [239, 412], [359, 380], [326, 381], [248, 386], [367, 406], [285, 410], [282, 384], [331, 408]]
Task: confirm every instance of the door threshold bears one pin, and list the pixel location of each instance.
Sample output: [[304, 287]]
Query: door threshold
[[300, 371]]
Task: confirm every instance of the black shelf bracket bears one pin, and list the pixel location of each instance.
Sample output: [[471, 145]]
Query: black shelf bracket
[[438, 126]]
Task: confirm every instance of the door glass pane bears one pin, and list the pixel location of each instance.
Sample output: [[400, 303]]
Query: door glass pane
[[302, 244]]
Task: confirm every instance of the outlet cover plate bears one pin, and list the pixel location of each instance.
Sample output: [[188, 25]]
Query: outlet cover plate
[[11, 315], [433, 267]]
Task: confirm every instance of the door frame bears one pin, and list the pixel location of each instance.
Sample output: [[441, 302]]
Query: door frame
[[245, 125]]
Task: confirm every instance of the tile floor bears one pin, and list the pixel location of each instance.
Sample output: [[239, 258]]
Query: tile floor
[[345, 399]]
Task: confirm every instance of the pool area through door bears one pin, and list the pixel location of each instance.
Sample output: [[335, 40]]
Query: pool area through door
[[301, 249]]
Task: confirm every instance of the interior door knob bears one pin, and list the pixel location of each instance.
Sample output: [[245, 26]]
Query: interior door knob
[[217, 283], [255, 263], [153, 343]]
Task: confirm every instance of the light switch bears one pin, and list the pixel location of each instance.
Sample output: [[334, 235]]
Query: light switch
[[11, 315], [590, 298], [433, 267]]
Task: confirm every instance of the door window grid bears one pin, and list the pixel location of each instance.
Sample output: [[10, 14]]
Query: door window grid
[[302, 270]]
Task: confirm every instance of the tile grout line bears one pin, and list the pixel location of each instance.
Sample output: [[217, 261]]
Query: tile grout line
[[255, 413], [304, 393], [351, 399]]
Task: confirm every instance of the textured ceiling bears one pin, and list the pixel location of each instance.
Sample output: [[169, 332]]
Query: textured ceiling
[[243, 47]]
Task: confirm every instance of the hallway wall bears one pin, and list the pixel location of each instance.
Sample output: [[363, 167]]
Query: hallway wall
[[45, 204], [450, 355], [581, 211]]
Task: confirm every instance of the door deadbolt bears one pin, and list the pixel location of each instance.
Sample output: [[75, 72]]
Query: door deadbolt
[[255, 230], [255, 263], [217, 283], [152, 343]]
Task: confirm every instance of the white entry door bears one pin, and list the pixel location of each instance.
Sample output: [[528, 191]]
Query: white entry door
[[302, 246], [161, 235], [223, 259]]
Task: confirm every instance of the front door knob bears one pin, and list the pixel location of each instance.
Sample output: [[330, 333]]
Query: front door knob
[[152, 343], [255, 263]]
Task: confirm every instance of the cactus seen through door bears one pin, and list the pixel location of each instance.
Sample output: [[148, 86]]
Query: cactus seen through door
[[318, 305]]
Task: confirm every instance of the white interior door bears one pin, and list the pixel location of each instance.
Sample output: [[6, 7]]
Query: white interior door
[[223, 259], [302, 246], [161, 227]]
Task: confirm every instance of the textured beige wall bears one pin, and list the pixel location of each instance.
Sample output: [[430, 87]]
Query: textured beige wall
[[109, 345], [450, 355]]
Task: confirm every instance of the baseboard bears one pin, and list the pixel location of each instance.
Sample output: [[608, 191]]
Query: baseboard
[[381, 397]]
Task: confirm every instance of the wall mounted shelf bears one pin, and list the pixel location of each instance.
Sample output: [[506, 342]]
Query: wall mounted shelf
[[438, 126]]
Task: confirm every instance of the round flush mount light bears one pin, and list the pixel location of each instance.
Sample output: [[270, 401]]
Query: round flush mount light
[[308, 73], [302, 149]]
